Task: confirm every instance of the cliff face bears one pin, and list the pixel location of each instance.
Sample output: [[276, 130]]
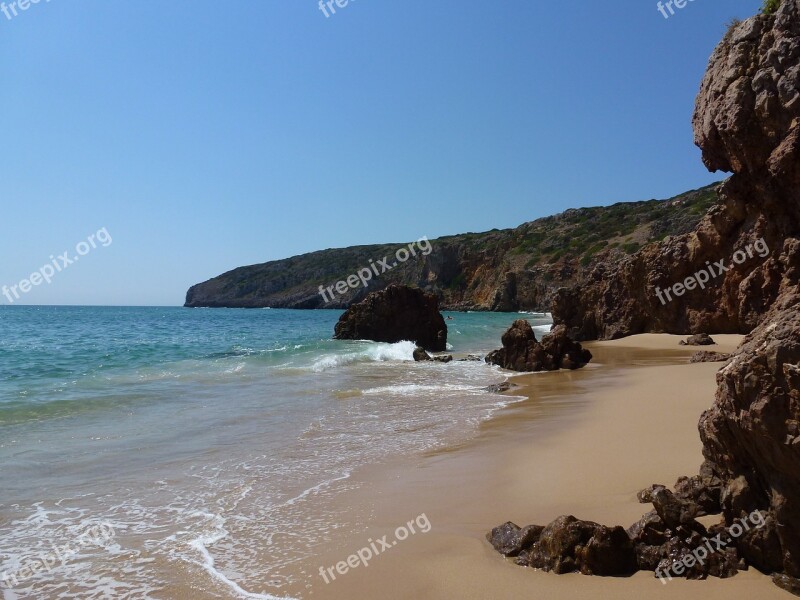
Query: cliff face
[[745, 122], [509, 270], [748, 121]]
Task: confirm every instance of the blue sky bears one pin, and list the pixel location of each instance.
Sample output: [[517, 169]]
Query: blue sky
[[208, 135]]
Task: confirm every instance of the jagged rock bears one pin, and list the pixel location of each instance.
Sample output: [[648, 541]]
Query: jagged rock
[[420, 355], [396, 314], [673, 511], [751, 435], [443, 359], [790, 584], [648, 557], [645, 496], [700, 339], [705, 356], [498, 388], [746, 121], [510, 539], [522, 352], [471, 358], [703, 490], [650, 530], [609, 552], [568, 545]]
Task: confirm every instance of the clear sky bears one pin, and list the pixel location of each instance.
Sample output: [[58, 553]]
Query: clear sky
[[209, 135]]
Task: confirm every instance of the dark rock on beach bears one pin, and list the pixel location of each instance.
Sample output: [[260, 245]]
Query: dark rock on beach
[[396, 314], [790, 584], [705, 356], [567, 545], [751, 436], [522, 352], [510, 539], [700, 339], [703, 490]]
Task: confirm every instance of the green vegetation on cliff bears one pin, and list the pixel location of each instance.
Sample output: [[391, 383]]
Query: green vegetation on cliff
[[511, 269]]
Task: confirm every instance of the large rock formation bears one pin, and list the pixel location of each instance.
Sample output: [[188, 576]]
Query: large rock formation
[[751, 436], [746, 121], [499, 270], [398, 313], [522, 352]]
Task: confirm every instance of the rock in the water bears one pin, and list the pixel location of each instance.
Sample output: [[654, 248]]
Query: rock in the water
[[498, 388], [443, 359], [398, 313], [522, 352], [700, 339], [420, 355], [470, 358], [704, 356]]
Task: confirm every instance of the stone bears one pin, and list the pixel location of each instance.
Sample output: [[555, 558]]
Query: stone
[[395, 314], [705, 356], [522, 352], [701, 339]]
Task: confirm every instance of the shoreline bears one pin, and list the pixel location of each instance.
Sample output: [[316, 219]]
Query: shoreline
[[580, 442]]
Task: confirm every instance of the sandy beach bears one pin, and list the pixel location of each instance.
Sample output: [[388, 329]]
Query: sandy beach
[[580, 443]]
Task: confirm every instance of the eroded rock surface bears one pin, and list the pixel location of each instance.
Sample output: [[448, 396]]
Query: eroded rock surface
[[398, 313], [522, 352]]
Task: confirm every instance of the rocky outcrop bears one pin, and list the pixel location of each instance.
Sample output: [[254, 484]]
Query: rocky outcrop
[[746, 121], [668, 540], [499, 270], [567, 545], [420, 355], [522, 352], [396, 314], [751, 436], [705, 356], [700, 339]]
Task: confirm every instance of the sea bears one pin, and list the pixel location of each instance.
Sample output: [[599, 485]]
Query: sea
[[207, 445]]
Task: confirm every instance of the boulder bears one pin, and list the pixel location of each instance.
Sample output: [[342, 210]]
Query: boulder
[[700, 339], [395, 314], [522, 352], [751, 436], [568, 544], [703, 490], [420, 355], [509, 539], [499, 388], [704, 356]]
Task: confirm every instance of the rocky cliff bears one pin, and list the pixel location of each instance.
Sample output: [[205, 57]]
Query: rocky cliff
[[508, 270], [745, 122]]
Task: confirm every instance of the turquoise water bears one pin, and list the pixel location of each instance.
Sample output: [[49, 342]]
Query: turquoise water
[[201, 435]]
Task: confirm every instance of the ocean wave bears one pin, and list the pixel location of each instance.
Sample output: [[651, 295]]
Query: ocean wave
[[373, 352]]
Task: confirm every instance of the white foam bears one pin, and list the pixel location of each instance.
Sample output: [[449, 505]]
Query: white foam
[[201, 545], [374, 352]]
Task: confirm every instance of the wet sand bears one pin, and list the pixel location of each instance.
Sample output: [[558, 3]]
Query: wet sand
[[580, 443]]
